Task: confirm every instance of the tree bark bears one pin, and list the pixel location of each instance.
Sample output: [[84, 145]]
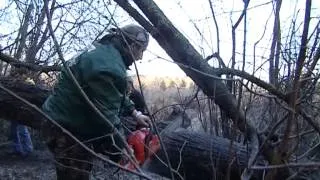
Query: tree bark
[[196, 155], [200, 156]]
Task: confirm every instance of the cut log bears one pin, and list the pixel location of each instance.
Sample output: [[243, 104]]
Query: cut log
[[196, 155], [200, 156]]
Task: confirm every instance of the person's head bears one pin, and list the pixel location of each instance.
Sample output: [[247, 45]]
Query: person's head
[[133, 40], [137, 39]]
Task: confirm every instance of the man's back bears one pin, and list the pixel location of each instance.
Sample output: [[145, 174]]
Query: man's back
[[95, 70]]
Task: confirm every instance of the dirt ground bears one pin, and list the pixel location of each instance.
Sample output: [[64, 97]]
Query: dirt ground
[[40, 166]]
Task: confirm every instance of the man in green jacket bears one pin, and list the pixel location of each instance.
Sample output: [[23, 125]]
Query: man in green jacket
[[101, 73]]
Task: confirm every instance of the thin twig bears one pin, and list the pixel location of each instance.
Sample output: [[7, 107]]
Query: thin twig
[[290, 165]]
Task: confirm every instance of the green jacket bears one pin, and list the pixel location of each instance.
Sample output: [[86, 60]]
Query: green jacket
[[101, 73]]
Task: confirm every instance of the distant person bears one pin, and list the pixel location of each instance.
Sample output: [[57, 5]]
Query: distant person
[[19, 134]]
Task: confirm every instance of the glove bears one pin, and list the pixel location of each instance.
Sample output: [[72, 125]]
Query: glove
[[142, 120]]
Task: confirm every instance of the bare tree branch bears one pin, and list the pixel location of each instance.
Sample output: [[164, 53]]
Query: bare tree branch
[[14, 62], [269, 87]]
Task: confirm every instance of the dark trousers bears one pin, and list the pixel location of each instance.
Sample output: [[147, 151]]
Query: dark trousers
[[21, 139], [72, 161]]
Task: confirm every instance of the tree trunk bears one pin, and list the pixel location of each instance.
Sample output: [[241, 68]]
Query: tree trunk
[[14, 109], [190, 61]]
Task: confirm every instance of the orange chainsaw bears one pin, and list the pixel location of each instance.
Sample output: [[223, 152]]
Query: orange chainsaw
[[144, 144]]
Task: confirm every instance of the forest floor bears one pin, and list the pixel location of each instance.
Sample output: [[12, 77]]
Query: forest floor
[[40, 166]]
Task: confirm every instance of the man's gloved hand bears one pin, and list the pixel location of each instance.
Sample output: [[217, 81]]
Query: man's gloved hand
[[142, 120]]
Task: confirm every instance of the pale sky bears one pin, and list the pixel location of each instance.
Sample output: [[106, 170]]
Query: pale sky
[[186, 14]]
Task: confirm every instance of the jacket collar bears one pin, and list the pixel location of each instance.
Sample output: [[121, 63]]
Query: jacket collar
[[121, 47]]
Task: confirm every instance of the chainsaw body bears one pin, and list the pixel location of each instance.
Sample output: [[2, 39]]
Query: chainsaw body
[[144, 144]]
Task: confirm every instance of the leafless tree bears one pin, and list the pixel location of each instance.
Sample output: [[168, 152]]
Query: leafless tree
[[279, 118]]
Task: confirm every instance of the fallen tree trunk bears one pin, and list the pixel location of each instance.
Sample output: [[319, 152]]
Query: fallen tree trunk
[[194, 153], [15, 110], [197, 155], [200, 156]]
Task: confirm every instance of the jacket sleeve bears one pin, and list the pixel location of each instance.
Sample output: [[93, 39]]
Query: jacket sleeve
[[106, 97], [128, 106]]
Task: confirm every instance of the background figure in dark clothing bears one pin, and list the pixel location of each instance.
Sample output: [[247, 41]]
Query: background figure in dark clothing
[[19, 134], [136, 97], [22, 144]]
